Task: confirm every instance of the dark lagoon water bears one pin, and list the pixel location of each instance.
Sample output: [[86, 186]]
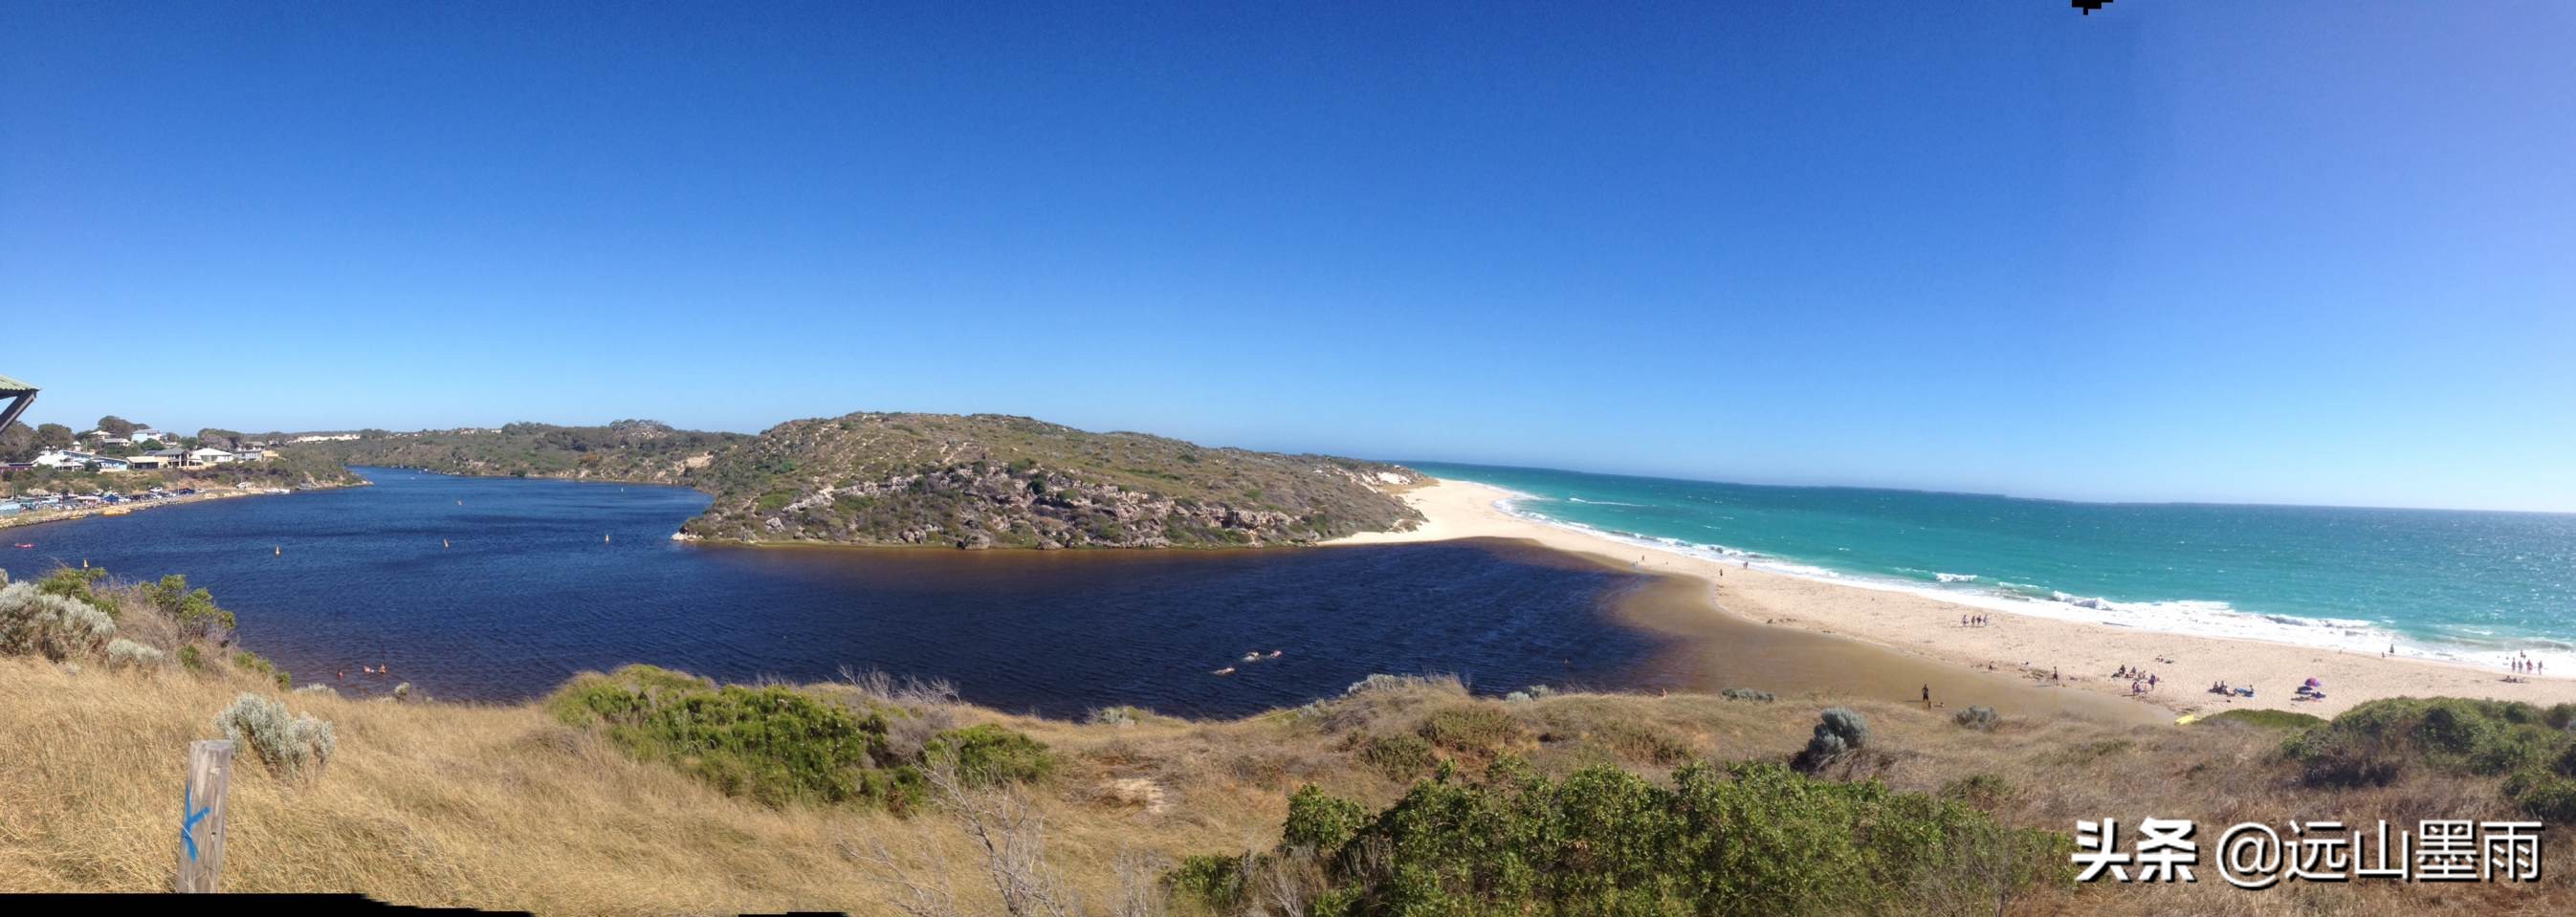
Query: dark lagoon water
[[527, 592]]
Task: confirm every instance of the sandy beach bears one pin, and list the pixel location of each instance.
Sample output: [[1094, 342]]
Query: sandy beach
[[2079, 655]]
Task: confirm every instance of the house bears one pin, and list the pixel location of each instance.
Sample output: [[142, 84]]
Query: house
[[63, 458], [211, 456], [152, 460], [103, 463]]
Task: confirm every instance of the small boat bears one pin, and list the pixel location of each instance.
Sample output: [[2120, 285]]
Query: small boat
[[1274, 654], [1228, 670], [1254, 656], [24, 544]]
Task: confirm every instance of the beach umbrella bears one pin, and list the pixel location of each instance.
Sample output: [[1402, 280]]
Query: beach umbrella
[[2313, 683]]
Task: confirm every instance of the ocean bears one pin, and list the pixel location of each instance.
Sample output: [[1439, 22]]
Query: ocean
[[499, 589], [2456, 585]]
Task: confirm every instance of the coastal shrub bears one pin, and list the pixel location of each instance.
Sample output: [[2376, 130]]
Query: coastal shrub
[[989, 755], [1746, 839], [80, 585], [772, 744], [1473, 728], [124, 653], [1214, 881], [2376, 742], [2545, 796], [34, 622], [1400, 757], [1113, 716], [1319, 821], [194, 609], [1978, 718], [191, 659], [401, 691], [1748, 694], [255, 663], [1842, 731], [287, 743]]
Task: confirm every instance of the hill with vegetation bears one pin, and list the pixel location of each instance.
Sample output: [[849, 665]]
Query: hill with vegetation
[[980, 481], [989, 480], [637, 451], [645, 791]]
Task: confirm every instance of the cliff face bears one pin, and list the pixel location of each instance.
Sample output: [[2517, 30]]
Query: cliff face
[[994, 481]]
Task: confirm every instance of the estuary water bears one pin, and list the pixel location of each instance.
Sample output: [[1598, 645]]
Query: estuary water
[[499, 589]]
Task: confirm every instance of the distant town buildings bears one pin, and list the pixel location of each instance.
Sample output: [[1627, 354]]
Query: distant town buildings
[[324, 438]]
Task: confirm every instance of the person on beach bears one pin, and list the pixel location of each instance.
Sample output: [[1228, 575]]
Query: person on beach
[[1927, 695]]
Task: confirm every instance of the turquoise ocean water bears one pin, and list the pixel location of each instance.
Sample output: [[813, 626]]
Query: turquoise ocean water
[[2469, 586]]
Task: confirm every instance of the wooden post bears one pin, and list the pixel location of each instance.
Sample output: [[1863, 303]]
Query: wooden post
[[201, 815]]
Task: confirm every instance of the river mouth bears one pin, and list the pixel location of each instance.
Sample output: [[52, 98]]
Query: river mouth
[[492, 589]]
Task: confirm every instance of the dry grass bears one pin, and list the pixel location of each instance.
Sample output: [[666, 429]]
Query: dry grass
[[502, 807]]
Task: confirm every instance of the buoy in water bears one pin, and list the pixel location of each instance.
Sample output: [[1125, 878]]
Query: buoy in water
[[603, 539], [443, 543], [281, 551]]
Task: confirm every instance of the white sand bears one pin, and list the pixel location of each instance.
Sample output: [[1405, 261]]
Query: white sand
[[2084, 654]]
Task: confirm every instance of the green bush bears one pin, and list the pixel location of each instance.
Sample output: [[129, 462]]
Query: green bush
[[772, 744], [2374, 743], [194, 609], [1319, 821], [2548, 797], [1402, 756], [1472, 728], [989, 755], [254, 662], [286, 743], [1212, 881], [35, 622], [191, 659], [1750, 839], [79, 585]]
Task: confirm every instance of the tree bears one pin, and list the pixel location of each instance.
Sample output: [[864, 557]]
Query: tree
[[220, 438], [116, 426], [53, 436], [18, 442]]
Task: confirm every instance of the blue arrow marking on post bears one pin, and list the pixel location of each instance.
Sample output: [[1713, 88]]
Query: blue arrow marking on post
[[188, 819]]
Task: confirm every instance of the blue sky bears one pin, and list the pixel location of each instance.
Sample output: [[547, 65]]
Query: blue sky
[[2263, 252]]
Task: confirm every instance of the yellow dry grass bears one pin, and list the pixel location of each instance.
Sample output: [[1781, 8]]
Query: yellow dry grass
[[502, 807]]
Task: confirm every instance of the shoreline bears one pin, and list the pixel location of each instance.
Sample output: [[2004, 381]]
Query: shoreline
[[2026, 647], [203, 495]]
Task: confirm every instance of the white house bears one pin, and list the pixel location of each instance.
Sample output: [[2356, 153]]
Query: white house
[[62, 458], [211, 456]]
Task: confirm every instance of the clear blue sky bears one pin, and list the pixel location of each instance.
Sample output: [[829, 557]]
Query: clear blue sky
[[2280, 252]]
